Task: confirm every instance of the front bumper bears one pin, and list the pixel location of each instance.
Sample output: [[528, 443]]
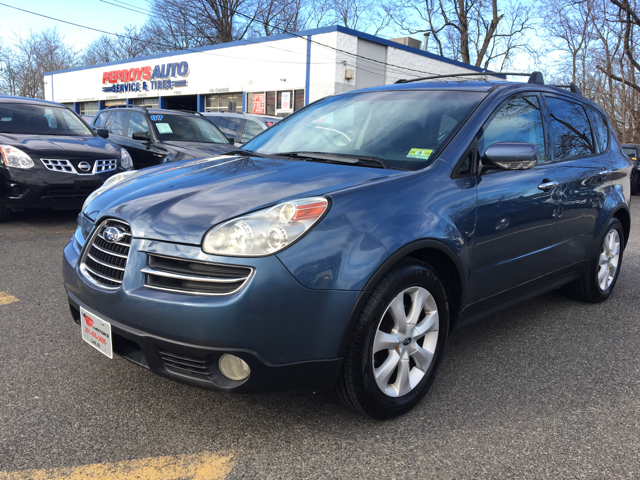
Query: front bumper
[[289, 335], [41, 188]]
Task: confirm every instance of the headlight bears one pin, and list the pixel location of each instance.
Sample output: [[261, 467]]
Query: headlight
[[125, 160], [110, 182], [14, 157], [266, 231]]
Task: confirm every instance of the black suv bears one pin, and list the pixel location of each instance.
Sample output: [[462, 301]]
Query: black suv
[[242, 127], [633, 152], [155, 136], [50, 158]]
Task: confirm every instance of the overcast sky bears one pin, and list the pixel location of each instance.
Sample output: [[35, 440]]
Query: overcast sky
[[91, 13]]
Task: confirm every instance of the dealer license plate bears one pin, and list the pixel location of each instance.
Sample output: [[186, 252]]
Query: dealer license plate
[[96, 332]]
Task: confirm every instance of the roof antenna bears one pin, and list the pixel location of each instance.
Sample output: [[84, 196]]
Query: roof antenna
[[536, 77]]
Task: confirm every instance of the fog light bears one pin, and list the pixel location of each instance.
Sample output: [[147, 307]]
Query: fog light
[[233, 367], [16, 190]]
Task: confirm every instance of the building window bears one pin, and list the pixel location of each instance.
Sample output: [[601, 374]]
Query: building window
[[89, 108], [111, 103], [70, 105], [151, 102], [279, 103], [219, 102]]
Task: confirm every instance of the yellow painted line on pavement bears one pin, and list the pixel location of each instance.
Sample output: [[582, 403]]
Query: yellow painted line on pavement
[[6, 299], [201, 466]]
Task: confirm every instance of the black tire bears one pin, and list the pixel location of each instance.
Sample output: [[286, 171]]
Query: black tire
[[357, 387], [5, 212], [588, 288]]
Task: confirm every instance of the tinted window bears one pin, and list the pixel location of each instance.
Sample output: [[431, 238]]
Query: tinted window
[[251, 129], [600, 130], [118, 122], [570, 129], [230, 126], [137, 123], [101, 120], [631, 152], [520, 120], [40, 120]]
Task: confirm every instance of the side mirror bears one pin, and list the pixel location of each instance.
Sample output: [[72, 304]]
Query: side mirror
[[232, 140], [141, 136], [102, 132], [511, 155]]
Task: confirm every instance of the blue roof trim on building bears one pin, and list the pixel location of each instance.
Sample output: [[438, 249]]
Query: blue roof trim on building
[[283, 36]]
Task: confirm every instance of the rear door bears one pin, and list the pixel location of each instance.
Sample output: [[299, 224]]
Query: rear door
[[516, 209], [584, 175]]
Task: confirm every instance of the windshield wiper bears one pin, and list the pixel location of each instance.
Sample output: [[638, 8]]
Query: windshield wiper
[[247, 153], [340, 158]]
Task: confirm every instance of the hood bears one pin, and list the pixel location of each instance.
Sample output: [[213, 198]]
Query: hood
[[62, 147], [198, 150], [179, 202]]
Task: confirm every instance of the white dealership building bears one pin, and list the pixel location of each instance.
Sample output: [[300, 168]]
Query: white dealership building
[[270, 75]]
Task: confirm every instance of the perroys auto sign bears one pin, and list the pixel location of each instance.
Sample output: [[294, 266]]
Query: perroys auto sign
[[146, 78]]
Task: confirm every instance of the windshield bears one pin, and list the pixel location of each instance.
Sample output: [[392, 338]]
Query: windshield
[[185, 128], [404, 128], [25, 119]]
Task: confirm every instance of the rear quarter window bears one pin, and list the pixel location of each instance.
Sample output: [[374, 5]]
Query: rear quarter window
[[570, 129]]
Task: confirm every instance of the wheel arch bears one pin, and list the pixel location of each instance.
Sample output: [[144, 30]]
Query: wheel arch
[[623, 215], [439, 257]]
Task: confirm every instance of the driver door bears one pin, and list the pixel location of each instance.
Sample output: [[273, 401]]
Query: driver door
[[516, 212]]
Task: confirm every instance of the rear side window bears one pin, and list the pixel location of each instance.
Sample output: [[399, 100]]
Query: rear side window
[[631, 152], [101, 120], [600, 130], [118, 122], [251, 129], [230, 126], [137, 123], [520, 120], [570, 129]]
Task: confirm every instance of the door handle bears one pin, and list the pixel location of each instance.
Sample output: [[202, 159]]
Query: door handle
[[546, 185], [604, 172]]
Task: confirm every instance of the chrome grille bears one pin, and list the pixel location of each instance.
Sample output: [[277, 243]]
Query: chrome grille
[[104, 262], [194, 277], [105, 165], [183, 364], [99, 166], [58, 165]]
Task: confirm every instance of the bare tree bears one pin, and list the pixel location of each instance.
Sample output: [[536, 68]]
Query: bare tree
[[477, 32], [132, 42], [31, 56]]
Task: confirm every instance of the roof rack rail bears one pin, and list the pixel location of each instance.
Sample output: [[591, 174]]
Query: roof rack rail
[[187, 111], [535, 77], [573, 88], [128, 106]]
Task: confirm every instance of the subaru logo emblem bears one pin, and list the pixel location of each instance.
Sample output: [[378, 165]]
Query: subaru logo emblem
[[113, 234], [406, 341], [84, 166]]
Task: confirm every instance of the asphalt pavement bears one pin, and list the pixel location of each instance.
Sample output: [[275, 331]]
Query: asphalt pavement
[[547, 389]]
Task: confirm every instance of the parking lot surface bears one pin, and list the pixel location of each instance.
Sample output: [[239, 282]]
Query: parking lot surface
[[547, 389]]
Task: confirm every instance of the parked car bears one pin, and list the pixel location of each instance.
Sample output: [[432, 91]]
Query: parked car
[[153, 136], [242, 127], [50, 158], [633, 152], [340, 249]]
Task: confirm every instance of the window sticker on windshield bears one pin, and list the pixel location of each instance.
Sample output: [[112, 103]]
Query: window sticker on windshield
[[156, 118], [164, 128], [420, 153]]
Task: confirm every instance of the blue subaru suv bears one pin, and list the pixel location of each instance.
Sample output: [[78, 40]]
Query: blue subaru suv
[[341, 247]]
